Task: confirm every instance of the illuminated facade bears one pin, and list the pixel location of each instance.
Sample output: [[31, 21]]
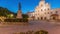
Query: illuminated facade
[[55, 14], [43, 12]]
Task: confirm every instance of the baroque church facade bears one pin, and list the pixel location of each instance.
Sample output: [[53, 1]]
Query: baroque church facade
[[44, 12]]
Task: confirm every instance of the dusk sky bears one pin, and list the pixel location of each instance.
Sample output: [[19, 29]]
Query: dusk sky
[[27, 5]]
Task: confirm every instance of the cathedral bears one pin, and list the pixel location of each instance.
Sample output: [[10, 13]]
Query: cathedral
[[44, 12]]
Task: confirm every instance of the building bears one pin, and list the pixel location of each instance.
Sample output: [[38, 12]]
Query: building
[[55, 14], [19, 13], [31, 15], [44, 12]]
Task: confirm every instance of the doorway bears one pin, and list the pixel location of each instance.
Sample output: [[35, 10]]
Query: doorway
[[54, 16]]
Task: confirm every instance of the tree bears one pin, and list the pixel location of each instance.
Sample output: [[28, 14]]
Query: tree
[[5, 12], [25, 16]]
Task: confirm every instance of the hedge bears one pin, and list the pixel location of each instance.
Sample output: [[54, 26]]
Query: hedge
[[16, 20]]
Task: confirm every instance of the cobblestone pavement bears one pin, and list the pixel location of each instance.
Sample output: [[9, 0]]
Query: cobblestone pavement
[[51, 27]]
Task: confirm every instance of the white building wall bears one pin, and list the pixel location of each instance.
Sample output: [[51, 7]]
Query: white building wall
[[56, 11], [42, 10]]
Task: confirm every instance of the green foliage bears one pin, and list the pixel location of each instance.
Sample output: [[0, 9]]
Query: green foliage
[[41, 32], [25, 16], [29, 32], [32, 32], [16, 20], [37, 32], [21, 33], [5, 12]]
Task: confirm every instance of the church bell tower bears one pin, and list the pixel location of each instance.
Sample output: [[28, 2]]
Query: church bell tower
[[19, 13]]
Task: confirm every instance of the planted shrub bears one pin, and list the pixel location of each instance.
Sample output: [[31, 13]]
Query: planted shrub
[[16, 20]]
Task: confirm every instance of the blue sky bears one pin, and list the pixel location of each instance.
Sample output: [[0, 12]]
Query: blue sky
[[27, 5]]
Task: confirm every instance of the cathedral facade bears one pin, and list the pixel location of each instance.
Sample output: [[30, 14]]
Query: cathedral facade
[[44, 12]]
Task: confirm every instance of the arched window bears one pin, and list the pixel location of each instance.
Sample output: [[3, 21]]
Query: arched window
[[44, 9], [48, 12], [56, 11], [38, 10], [38, 13], [38, 18], [45, 18], [35, 14], [51, 12], [48, 8], [41, 5], [41, 18], [41, 10], [45, 12]]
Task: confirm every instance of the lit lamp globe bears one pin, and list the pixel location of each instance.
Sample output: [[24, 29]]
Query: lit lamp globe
[[11, 15]]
